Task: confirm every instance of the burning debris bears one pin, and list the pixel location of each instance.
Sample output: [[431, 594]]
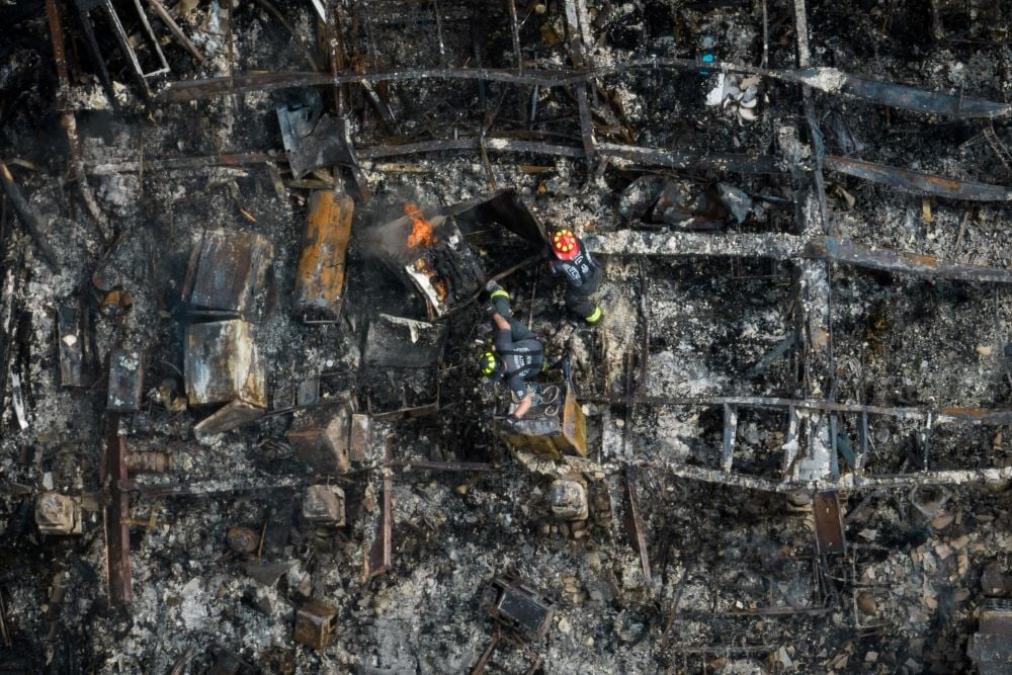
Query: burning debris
[[740, 295]]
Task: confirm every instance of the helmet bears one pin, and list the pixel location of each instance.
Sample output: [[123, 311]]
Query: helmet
[[564, 244], [487, 362]]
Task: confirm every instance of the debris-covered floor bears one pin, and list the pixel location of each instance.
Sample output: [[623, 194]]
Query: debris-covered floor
[[243, 253]]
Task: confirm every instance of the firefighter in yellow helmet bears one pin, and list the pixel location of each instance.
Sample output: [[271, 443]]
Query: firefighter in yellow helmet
[[571, 260]]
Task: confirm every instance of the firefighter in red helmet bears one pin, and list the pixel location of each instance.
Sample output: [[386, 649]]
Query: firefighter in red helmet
[[571, 260]]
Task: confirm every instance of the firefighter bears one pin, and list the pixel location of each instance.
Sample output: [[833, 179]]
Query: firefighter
[[570, 259], [517, 356]]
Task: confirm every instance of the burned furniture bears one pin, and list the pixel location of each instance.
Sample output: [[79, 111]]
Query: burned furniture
[[323, 506], [316, 624], [400, 365], [71, 344], [991, 647], [321, 438], [222, 366], [85, 9], [448, 254], [126, 381], [312, 138], [225, 272], [56, 513], [554, 426], [520, 610], [320, 278]]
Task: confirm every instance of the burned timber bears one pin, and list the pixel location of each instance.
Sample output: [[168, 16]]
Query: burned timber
[[255, 259]]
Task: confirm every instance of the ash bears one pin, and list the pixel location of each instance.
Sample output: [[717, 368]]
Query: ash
[[790, 426]]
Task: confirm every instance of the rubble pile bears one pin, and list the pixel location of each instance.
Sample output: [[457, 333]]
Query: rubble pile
[[534, 336]]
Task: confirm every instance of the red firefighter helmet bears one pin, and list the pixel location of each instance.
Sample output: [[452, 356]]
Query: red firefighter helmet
[[564, 244]]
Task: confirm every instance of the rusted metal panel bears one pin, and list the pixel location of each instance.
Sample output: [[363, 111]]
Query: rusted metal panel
[[221, 365], [126, 381], [226, 269], [117, 513], [829, 523], [316, 624], [320, 277]]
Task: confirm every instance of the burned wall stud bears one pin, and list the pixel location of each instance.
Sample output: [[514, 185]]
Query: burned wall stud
[[316, 624]]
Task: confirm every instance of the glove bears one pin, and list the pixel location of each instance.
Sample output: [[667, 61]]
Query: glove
[[493, 286], [512, 422]]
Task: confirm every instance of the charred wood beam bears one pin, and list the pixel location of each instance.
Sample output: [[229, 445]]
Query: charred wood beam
[[845, 482], [847, 253], [681, 160], [28, 218], [180, 163], [634, 522], [739, 245], [176, 31], [918, 182], [209, 488], [944, 415], [827, 80], [467, 145], [426, 465], [380, 557], [117, 513], [835, 82], [578, 53], [67, 119], [787, 247], [190, 90], [904, 179]]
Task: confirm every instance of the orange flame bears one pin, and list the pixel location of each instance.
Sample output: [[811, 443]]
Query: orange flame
[[439, 285], [421, 229]]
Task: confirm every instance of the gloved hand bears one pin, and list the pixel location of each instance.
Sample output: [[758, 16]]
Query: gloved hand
[[512, 422]]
